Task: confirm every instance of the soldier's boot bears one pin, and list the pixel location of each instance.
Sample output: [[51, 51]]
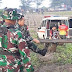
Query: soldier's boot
[[42, 52]]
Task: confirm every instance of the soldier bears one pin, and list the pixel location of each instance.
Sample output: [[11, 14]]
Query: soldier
[[28, 38], [13, 48]]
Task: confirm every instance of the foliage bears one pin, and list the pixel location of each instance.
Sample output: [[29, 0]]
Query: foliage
[[26, 3], [64, 54], [59, 2], [33, 33], [35, 60], [56, 3]]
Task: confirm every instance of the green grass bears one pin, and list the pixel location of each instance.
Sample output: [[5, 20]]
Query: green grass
[[64, 54], [33, 33], [35, 60]]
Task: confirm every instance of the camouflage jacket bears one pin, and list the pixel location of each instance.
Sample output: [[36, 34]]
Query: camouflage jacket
[[14, 37], [25, 32]]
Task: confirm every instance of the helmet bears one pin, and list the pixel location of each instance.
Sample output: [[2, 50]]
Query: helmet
[[10, 14]]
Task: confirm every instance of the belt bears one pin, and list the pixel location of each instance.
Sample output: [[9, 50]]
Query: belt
[[9, 53]]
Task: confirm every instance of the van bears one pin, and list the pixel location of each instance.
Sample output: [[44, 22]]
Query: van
[[48, 21]]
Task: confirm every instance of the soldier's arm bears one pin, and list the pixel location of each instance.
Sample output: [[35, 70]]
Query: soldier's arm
[[24, 52]]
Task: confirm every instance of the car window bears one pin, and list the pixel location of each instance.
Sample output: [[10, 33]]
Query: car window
[[55, 22], [70, 23]]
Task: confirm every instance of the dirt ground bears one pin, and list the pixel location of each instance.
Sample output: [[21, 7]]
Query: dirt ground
[[55, 68], [48, 66], [34, 21]]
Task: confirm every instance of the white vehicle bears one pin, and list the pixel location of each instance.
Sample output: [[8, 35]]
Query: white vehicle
[[48, 21]]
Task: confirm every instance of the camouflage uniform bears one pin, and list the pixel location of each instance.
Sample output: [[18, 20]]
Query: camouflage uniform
[[28, 38], [16, 50]]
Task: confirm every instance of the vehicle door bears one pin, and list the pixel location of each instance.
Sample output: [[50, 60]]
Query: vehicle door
[[70, 28], [41, 30], [47, 31]]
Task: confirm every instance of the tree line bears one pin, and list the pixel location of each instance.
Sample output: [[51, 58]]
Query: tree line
[[59, 2]]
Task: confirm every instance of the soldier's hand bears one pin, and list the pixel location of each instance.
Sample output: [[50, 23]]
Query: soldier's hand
[[36, 41]]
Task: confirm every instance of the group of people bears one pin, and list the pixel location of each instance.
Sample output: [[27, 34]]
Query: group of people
[[59, 32], [15, 42]]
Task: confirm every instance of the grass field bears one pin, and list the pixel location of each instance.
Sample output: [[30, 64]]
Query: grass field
[[62, 13]]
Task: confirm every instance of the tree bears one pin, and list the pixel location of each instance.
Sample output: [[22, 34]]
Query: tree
[[59, 2], [56, 3], [38, 2], [26, 3]]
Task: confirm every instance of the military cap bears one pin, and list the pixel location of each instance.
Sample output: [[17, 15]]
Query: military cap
[[10, 14]]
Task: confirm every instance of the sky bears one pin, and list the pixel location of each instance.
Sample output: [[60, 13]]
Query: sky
[[10, 3], [16, 3]]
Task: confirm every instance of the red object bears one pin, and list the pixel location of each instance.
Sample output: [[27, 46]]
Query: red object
[[46, 16], [51, 33], [63, 28], [27, 27]]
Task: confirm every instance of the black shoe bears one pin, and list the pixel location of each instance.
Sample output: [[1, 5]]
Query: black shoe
[[42, 52]]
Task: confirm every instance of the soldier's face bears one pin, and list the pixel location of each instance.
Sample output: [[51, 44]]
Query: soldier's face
[[21, 22]]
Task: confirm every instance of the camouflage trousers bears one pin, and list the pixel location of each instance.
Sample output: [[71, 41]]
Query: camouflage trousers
[[9, 63]]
